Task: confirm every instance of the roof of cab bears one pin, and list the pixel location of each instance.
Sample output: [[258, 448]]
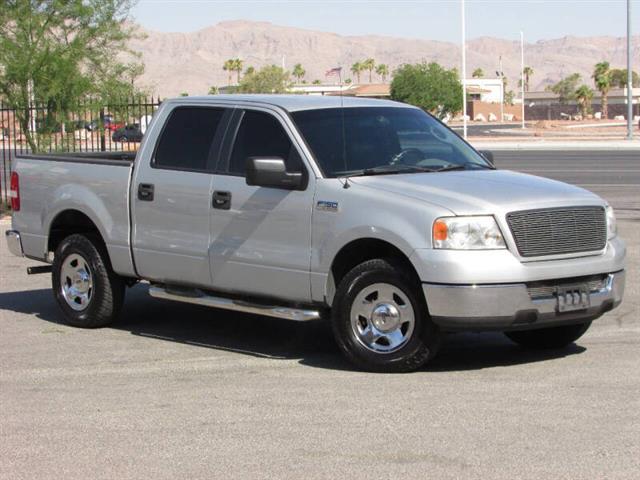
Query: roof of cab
[[292, 103]]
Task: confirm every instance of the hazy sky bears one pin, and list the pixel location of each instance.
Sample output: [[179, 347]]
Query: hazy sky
[[431, 19]]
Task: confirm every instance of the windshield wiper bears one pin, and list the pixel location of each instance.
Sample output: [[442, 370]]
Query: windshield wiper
[[388, 170]]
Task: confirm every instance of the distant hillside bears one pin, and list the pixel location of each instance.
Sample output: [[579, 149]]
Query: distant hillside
[[192, 62]]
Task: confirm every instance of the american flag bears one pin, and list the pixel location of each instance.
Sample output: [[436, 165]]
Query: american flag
[[333, 71]]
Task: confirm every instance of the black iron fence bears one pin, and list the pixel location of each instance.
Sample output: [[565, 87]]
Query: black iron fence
[[87, 126]]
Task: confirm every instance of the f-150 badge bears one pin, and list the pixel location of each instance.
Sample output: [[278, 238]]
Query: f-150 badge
[[327, 206]]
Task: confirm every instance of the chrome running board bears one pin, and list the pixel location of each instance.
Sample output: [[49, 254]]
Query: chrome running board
[[199, 297]]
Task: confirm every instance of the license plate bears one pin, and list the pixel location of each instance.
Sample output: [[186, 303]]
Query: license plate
[[571, 298]]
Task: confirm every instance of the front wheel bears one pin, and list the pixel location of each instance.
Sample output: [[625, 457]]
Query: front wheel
[[549, 338], [88, 291], [380, 319]]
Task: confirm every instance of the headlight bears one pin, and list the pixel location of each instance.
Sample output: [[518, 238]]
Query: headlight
[[612, 226], [467, 233]]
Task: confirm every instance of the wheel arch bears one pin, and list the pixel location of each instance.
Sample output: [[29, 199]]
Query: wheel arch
[[68, 222], [358, 251]]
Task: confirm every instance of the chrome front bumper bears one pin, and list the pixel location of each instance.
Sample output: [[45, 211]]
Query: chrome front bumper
[[511, 306], [14, 243]]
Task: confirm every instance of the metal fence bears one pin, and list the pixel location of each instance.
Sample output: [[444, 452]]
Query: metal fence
[[85, 127]]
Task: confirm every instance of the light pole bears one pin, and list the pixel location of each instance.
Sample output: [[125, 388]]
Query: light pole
[[629, 76], [500, 74], [522, 72], [464, 75]]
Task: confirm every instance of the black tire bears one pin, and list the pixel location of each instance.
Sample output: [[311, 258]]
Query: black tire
[[421, 345], [549, 338], [107, 292]]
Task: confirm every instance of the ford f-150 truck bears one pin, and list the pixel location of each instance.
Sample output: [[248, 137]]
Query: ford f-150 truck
[[371, 213]]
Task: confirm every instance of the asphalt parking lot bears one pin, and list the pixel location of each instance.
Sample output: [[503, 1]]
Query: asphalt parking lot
[[178, 391]]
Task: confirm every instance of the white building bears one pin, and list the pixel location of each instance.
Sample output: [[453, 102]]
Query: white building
[[489, 90]]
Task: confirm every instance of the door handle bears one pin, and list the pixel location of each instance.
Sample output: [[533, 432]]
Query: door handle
[[221, 200], [145, 192]]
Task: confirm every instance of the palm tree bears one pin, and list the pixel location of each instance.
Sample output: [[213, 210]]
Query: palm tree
[[369, 64], [478, 73], [602, 79], [237, 67], [583, 96], [298, 71], [528, 73], [229, 66], [357, 69], [383, 71]]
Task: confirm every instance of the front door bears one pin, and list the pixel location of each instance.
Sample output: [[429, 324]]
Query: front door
[[261, 239]]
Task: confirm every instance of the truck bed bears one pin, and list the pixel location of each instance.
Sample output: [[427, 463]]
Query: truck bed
[[93, 184]]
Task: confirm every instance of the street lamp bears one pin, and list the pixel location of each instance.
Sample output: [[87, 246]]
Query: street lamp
[[629, 76], [464, 75]]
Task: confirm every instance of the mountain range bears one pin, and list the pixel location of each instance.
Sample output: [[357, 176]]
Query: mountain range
[[192, 62]]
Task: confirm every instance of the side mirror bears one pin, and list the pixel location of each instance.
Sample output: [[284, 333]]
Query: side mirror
[[488, 156], [272, 172]]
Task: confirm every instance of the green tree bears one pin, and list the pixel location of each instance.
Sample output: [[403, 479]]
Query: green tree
[[184, 94], [357, 69], [583, 96], [229, 66], [428, 86], [619, 78], [316, 82], [383, 71], [369, 64], [602, 79], [213, 90], [298, 71], [249, 71], [509, 97], [478, 73], [237, 67], [270, 79], [528, 73], [566, 88], [56, 52]]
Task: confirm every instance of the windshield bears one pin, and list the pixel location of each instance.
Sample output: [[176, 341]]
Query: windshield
[[385, 139]]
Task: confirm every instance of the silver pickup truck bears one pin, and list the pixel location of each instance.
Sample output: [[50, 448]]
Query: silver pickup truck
[[371, 213]]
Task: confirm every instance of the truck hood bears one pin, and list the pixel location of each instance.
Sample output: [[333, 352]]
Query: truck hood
[[473, 192]]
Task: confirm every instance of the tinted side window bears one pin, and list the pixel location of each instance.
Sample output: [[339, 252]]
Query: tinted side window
[[261, 135], [187, 138]]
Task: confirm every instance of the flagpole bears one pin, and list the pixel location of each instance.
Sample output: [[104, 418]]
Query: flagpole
[[464, 75]]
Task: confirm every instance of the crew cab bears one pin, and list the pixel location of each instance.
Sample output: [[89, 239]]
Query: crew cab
[[370, 213]]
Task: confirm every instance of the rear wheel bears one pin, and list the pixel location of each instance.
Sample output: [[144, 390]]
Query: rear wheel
[[380, 319], [89, 293], [549, 338]]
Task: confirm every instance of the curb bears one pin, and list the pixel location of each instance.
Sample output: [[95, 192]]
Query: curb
[[624, 145]]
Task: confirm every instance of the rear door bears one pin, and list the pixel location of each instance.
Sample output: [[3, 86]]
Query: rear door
[[261, 238], [172, 197]]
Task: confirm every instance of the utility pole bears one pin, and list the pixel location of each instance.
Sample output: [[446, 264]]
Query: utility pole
[[629, 76], [522, 72], [501, 74], [464, 75]]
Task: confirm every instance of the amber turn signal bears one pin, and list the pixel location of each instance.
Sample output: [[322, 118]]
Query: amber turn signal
[[440, 230]]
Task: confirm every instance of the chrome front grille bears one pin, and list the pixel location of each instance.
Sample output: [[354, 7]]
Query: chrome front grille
[[557, 231]]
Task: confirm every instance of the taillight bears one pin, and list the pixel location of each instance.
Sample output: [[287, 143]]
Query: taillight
[[14, 192]]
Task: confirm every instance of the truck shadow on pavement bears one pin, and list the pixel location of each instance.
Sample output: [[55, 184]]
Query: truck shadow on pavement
[[310, 342]]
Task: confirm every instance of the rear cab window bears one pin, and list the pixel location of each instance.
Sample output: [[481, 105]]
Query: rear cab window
[[190, 139]]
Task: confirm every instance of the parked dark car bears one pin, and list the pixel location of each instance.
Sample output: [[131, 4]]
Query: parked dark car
[[129, 133]]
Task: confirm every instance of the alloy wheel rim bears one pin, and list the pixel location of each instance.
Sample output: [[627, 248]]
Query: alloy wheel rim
[[382, 318], [76, 282]]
